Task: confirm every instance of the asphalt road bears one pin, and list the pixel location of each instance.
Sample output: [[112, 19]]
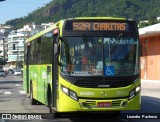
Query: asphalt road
[[13, 99]]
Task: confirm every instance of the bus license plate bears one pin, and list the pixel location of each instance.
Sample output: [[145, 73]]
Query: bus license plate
[[104, 104]]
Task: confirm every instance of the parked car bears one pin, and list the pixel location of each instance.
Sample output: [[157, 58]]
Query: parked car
[[2, 73], [17, 72]]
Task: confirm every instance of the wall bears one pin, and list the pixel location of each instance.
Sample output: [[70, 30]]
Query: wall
[[150, 60]]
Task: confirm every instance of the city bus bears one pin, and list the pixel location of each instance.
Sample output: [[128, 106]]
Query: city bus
[[84, 64]]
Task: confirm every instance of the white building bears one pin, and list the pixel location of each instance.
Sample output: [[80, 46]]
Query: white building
[[46, 25], [15, 48], [150, 29], [2, 46], [158, 18], [16, 40], [144, 21], [4, 31]]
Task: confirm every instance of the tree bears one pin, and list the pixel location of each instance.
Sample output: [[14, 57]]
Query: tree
[[2, 61]]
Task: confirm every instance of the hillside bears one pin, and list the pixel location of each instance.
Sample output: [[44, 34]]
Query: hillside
[[60, 9]]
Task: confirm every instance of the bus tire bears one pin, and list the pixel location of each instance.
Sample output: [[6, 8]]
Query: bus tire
[[49, 99], [32, 100], [50, 104]]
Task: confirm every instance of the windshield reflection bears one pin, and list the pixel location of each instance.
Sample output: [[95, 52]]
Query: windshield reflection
[[99, 56]]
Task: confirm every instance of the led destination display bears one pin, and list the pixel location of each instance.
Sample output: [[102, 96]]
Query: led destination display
[[99, 26]]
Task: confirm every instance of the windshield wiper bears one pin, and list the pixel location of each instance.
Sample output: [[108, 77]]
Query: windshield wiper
[[120, 36], [84, 37]]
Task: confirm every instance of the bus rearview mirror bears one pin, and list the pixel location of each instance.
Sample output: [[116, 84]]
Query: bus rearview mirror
[[55, 48]]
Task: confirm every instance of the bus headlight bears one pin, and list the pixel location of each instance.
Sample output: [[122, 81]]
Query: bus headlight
[[65, 90], [134, 92], [69, 92], [138, 89]]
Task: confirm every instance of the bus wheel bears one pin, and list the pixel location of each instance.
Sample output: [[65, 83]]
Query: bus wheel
[[32, 100], [51, 111], [49, 99], [50, 105]]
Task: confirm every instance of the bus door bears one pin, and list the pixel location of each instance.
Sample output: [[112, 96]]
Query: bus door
[[55, 70]]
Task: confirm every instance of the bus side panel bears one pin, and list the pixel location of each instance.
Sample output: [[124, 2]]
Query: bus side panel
[[33, 78], [42, 83], [40, 79]]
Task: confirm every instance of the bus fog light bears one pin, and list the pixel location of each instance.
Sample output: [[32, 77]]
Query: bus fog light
[[131, 95], [73, 95]]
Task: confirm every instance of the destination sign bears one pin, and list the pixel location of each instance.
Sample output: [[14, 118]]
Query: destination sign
[[99, 26]]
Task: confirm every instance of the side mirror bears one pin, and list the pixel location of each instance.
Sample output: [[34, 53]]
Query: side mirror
[[55, 48]]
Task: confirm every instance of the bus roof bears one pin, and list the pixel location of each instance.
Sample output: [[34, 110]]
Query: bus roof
[[99, 18]]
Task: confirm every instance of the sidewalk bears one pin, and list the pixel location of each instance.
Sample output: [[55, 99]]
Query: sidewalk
[[150, 83]]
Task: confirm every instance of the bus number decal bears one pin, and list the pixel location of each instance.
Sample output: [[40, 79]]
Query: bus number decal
[[87, 93], [119, 93]]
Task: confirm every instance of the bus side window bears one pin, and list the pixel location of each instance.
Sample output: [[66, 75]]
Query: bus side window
[[39, 44], [46, 48]]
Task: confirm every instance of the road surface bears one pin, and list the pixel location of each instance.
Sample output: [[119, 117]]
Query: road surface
[[13, 99]]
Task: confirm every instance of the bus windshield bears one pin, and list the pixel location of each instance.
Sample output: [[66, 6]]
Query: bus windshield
[[99, 56]]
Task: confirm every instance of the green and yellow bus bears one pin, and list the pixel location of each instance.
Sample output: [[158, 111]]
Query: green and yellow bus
[[85, 64]]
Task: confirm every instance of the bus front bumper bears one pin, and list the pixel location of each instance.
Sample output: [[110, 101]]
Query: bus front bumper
[[70, 105]]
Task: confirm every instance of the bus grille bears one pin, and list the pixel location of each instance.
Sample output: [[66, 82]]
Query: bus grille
[[116, 103]]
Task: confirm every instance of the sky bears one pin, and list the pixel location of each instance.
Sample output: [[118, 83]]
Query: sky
[[11, 9]]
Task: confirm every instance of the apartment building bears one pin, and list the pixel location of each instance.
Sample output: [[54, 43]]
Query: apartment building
[[4, 30], [16, 39]]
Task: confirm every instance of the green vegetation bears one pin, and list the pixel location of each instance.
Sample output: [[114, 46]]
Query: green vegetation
[[2, 61], [60, 9]]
